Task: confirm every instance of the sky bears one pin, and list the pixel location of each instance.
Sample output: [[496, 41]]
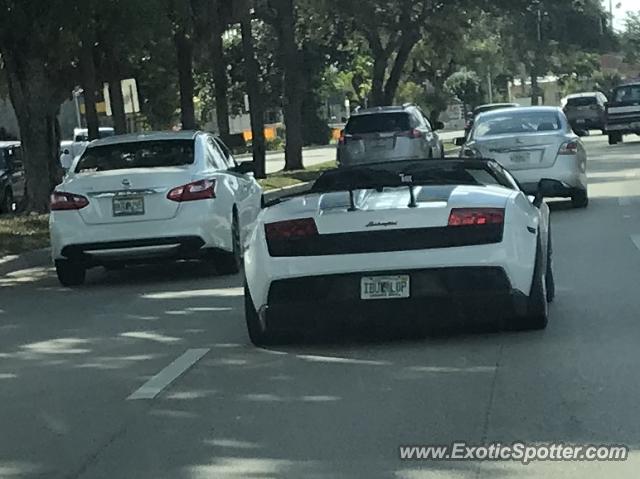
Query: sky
[[625, 6]]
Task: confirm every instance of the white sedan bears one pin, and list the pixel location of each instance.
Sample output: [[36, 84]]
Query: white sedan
[[143, 197], [425, 240], [533, 143]]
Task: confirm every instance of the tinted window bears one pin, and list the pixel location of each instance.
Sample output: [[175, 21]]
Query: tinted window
[[214, 155], [391, 174], [84, 136], [582, 101], [516, 123], [228, 157], [628, 93], [3, 158], [16, 158], [141, 154], [378, 122]]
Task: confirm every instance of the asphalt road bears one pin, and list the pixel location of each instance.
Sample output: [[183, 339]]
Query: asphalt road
[[70, 359]]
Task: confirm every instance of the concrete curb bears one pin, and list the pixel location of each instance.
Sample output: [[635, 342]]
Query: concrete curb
[[276, 152], [30, 259], [271, 195]]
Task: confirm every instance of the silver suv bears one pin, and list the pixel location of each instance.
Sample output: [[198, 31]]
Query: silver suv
[[389, 133]]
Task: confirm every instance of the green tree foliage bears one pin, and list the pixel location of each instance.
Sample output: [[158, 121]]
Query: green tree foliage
[[37, 45], [464, 85], [630, 38]]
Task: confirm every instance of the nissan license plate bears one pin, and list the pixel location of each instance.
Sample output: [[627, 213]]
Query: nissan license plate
[[520, 157], [128, 205], [385, 287]]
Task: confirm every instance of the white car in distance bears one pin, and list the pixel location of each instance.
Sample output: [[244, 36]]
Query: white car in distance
[[70, 150], [143, 197]]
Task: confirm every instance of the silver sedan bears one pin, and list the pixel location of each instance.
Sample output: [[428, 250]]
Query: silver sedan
[[533, 143]]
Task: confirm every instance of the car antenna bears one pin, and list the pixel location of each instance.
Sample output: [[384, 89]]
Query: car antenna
[[412, 194], [352, 201]]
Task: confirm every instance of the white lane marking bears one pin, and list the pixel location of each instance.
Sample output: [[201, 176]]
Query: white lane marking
[[636, 240], [447, 369], [332, 359], [157, 383]]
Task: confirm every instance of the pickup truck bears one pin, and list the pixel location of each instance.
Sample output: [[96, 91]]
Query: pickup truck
[[623, 112], [69, 150]]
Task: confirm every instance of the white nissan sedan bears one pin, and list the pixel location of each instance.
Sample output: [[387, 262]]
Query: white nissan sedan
[[533, 143], [154, 196]]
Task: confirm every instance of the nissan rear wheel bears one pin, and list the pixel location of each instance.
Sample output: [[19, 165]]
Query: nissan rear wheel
[[550, 279], [70, 273], [228, 263]]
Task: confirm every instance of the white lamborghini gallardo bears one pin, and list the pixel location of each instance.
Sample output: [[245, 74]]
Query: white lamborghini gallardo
[[435, 241]]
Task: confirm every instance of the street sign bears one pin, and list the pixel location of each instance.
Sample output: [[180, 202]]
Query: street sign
[[129, 94]]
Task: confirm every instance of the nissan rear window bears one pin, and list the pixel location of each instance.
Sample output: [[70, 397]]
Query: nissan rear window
[[517, 122], [582, 101], [141, 154], [378, 123]]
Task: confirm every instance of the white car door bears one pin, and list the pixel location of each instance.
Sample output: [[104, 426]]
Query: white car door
[[247, 192], [432, 143]]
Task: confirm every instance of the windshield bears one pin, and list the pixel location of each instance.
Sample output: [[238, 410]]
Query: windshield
[[376, 123], [403, 173], [517, 122], [582, 101], [144, 154], [627, 93]]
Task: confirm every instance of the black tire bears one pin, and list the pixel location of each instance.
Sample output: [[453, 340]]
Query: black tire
[[7, 202], [550, 279], [537, 315], [258, 334], [70, 273], [615, 138], [228, 263], [580, 199]]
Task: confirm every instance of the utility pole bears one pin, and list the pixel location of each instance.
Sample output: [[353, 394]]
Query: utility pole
[[611, 10], [490, 85]]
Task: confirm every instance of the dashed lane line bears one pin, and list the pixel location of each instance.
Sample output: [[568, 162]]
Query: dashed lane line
[[636, 240], [173, 371]]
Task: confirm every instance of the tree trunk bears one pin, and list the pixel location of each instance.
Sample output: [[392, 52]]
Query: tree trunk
[[256, 103], [219, 70], [293, 85], [534, 87], [32, 96], [90, 86], [115, 94], [377, 83], [184, 51], [408, 41]]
